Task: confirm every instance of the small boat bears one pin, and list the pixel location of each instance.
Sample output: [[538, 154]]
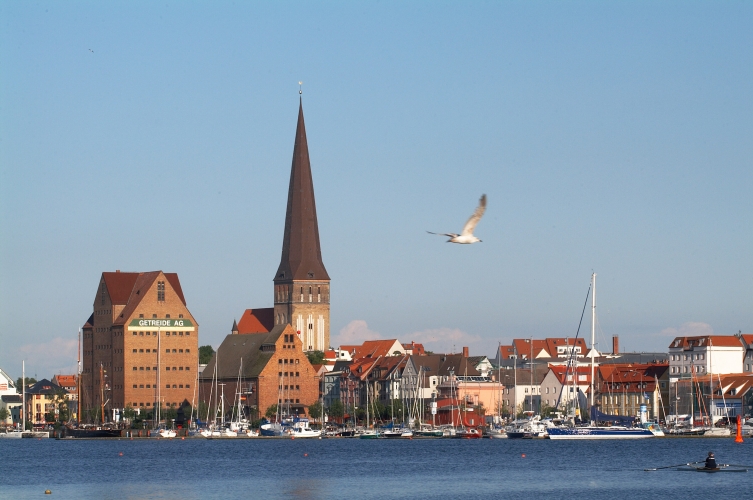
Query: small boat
[[369, 434], [229, 433], [468, 433], [272, 429], [11, 435], [716, 469], [252, 433], [497, 433], [301, 429]]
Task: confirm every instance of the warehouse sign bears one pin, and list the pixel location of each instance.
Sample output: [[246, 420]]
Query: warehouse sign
[[161, 324]]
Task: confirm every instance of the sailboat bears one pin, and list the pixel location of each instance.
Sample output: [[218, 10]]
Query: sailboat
[[369, 433], [592, 431]]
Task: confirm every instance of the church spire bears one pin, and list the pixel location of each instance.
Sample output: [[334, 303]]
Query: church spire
[[301, 254]]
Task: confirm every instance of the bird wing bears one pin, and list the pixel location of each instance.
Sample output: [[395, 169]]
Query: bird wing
[[451, 235], [471, 224]]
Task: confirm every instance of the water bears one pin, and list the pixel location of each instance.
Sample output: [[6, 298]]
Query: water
[[378, 469]]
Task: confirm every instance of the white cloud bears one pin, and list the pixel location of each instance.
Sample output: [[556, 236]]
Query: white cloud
[[689, 329], [355, 333], [50, 358], [444, 339]]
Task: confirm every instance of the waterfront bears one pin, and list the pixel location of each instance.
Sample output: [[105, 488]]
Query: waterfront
[[352, 468]]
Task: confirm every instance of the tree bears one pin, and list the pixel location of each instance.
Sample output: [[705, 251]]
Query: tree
[[315, 357], [29, 381], [315, 410], [205, 354], [548, 411], [4, 414], [271, 411], [336, 409]]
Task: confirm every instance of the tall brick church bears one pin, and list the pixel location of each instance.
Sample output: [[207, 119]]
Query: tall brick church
[[266, 349]]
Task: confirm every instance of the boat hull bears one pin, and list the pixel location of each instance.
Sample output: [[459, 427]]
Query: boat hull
[[598, 433]]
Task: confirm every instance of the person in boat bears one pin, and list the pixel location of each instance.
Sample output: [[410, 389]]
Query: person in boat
[[710, 461]]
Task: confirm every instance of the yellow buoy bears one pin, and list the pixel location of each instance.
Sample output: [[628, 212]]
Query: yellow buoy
[[47, 492]]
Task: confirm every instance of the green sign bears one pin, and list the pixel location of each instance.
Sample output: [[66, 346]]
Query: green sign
[[160, 323]]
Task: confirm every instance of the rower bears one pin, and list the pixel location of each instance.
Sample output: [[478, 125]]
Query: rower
[[710, 461]]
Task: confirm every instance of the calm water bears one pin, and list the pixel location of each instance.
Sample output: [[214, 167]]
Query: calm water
[[352, 468]]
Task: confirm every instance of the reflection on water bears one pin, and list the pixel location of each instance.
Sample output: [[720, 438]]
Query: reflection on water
[[352, 468]]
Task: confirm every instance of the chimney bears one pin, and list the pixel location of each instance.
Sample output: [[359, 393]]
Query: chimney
[[615, 344], [117, 270], [465, 352]]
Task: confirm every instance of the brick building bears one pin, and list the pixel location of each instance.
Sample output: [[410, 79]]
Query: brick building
[[264, 369], [140, 345]]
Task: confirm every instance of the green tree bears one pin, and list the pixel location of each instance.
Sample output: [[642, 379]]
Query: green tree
[[29, 381], [315, 410], [4, 414], [336, 409], [548, 411], [315, 357], [205, 354], [271, 411], [395, 410]]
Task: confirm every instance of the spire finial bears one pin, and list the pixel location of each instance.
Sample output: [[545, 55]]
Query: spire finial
[[300, 88]]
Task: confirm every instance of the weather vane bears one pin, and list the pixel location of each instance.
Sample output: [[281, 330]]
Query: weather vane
[[300, 88]]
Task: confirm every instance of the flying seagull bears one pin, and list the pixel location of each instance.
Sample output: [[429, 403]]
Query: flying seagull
[[466, 236]]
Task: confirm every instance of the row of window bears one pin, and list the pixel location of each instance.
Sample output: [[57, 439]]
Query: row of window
[[171, 405], [167, 334], [686, 357], [154, 386], [167, 351], [281, 401], [687, 369], [286, 361], [154, 316], [167, 368], [290, 387], [288, 374]]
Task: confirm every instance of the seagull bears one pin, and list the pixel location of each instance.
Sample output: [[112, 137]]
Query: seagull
[[466, 237]]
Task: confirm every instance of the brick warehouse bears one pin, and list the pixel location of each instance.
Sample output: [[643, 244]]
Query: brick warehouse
[[140, 334], [264, 369]]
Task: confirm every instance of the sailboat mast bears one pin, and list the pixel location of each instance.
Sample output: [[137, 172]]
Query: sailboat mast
[[593, 335], [78, 381]]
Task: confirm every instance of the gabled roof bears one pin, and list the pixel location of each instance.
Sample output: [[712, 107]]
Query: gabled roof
[[45, 386], [375, 348], [257, 321], [527, 348], [560, 370], [89, 322], [139, 289], [704, 341], [245, 349], [443, 364], [748, 338], [65, 380]]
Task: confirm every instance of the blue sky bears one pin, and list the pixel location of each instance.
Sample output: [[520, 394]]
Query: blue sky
[[613, 137]]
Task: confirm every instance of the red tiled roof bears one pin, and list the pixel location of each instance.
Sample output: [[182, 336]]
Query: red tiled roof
[[374, 348], [64, 380], [506, 351], [119, 286], [523, 348], [139, 290], [705, 341], [559, 372], [748, 338], [257, 320]]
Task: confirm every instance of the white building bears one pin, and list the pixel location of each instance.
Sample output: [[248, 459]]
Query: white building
[[708, 354]]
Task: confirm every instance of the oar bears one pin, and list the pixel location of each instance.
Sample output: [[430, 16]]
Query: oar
[[736, 465], [671, 466]]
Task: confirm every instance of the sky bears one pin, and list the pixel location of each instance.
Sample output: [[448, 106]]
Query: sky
[[609, 137]]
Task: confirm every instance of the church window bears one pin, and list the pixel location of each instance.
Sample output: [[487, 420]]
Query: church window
[[160, 291]]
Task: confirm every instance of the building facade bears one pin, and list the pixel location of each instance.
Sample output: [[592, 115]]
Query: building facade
[[694, 356], [301, 284], [140, 345]]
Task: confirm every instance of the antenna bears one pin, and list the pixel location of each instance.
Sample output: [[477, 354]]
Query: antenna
[[300, 88]]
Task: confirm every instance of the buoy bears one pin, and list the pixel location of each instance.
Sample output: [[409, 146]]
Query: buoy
[[739, 436], [120, 454], [523, 455], [183, 439], [305, 454], [47, 492]]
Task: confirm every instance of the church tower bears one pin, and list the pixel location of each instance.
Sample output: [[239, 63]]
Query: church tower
[[302, 282]]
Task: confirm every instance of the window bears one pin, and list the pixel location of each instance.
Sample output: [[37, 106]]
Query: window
[[188, 367], [134, 350], [149, 386], [180, 368], [134, 368], [134, 386], [188, 386], [175, 350], [188, 350], [154, 316], [188, 334], [167, 368], [142, 368], [175, 386], [160, 291], [180, 386], [135, 333], [167, 386], [141, 386], [167, 350]]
